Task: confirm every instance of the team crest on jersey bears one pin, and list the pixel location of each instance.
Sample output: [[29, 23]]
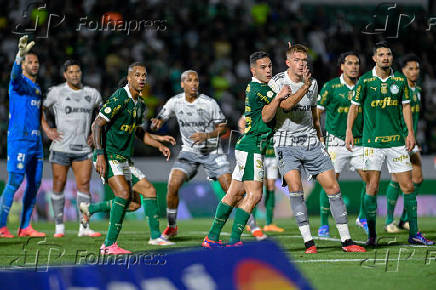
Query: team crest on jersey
[[269, 94], [394, 89], [107, 110], [384, 88], [350, 95], [20, 165], [88, 98], [200, 112]]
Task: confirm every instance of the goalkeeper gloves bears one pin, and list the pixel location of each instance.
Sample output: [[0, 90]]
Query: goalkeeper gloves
[[23, 48]]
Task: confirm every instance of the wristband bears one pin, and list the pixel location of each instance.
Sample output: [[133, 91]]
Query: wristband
[[99, 152]]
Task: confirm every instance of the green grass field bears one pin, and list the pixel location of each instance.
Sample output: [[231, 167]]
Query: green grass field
[[394, 265]]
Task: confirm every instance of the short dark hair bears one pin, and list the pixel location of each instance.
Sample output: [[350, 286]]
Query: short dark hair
[[137, 63], [256, 56], [70, 62], [380, 44], [408, 57], [343, 56]]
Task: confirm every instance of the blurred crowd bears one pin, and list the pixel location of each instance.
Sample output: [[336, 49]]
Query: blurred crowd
[[213, 37]]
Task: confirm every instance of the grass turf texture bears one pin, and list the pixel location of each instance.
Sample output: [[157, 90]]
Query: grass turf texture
[[394, 265]]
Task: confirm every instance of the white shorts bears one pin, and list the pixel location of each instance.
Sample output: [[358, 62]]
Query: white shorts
[[271, 165], [115, 167], [398, 159], [249, 166], [341, 157]]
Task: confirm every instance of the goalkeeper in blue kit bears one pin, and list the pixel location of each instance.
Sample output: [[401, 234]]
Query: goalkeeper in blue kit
[[24, 139]]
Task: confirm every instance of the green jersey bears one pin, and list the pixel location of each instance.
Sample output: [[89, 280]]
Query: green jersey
[[270, 150], [257, 133], [382, 101], [123, 114], [335, 100], [415, 106]]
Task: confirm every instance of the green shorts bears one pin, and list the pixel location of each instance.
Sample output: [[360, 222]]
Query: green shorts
[[249, 166]]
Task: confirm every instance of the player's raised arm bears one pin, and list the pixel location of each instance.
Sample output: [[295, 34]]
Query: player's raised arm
[[17, 79], [294, 99], [269, 111], [149, 140]]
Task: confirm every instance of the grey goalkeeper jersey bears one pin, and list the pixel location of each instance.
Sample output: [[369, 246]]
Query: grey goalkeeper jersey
[[294, 127], [202, 115], [73, 111]]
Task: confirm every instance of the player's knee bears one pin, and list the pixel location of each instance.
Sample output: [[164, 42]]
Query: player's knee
[[254, 198], [417, 180], [332, 189], [123, 193], [407, 188], [173, 188]]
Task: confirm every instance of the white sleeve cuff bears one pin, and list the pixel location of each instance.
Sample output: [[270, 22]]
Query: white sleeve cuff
[[320, 107], [355, 103], [405, 102], [104, 117]]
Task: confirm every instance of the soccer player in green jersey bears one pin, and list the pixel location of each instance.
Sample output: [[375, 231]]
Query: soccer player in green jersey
[[335, 100], [270, 165], [120, 116], [245, 190], [385, 99], [409, 64]]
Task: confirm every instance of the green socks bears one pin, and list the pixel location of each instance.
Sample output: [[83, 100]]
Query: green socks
[[392, 193], [222, 213], [151, 213], [324, 208], [370, 206], [269, 205], [100, 206], [404, 217], [362, 198], [118, 210], [241, 218], [411, 208]]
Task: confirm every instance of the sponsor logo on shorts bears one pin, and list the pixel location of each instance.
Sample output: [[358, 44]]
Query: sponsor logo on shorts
[[400, 158]]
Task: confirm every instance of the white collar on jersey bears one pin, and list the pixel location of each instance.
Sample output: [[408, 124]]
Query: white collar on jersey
[[253, 79], [68, 87], [128, 93], [344, 83], [374, 74]]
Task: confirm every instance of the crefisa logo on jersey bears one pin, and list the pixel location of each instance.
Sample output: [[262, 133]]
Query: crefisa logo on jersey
[[394, 89]]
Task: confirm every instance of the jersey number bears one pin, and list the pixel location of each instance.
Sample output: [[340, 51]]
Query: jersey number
[[21, 157]]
